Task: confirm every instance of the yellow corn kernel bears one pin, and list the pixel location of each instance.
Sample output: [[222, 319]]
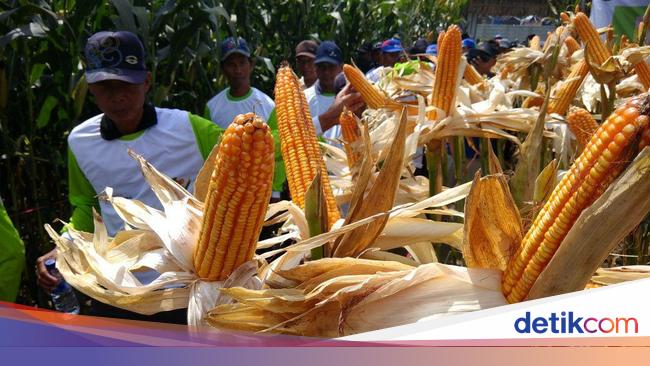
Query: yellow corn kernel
[[444, 85], [350, 133], [567, 91], [575, 192], [472, 76], [598, 53], [582, 124], [643, 72], [300, 150], [371, 95], [238, 195], [572, 45]]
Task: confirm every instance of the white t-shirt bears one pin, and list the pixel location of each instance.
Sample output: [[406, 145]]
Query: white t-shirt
[[318, 104], [375, 74], [223, 107]]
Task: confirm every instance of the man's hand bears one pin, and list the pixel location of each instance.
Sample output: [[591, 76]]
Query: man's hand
[[45, 279], [348, 98]]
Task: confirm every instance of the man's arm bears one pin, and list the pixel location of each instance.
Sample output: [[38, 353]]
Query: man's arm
[[207, 133], [82, 197], [347, 97]]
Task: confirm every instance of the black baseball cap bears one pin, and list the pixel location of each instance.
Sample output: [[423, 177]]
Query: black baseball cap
[[115, 56], [329, 52]]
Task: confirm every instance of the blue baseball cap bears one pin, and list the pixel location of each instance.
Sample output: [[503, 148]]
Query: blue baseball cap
[[231, 45], [432, 49], [328, 52], [391, 45], [115, 56], [469, 43]]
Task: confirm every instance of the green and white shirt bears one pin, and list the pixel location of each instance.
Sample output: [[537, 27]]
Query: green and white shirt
[[177, 145], [223, 107]]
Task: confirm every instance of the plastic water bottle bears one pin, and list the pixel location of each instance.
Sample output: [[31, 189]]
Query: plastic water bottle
[[63, 296]]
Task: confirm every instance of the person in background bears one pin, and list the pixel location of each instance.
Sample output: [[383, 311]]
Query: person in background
[[376, 55], [176, 142], [468, 44], [305, 55], [391, 53], [419, 47], [364, 60], [432, 50], [504, 45], [325, 105], [12, 257], [483, 58], [239, 97]]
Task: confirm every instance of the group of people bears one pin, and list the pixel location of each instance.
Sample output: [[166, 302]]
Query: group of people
[[373, 59], [177, 142]]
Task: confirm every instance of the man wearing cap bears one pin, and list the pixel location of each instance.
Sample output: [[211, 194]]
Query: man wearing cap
[[483, 58], [468, 44], [364, 58], [419, 47], [305, 56], [324, 105], [391, 53], [174, 141], [239, 97]]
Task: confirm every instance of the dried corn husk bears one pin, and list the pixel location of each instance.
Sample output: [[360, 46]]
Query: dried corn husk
[[341, 305], [492, 224]]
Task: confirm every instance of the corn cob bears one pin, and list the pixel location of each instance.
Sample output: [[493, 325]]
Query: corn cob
[[582, 124], [565, 17], [350, 133], [624, 42], [240, 189], [534, 43], [531, 101], [505, 71], [372, 96], [597, 51], [588, 176], [567, 91], [300, 150], [645, 138], [444, 85], [472, 76], [441, 36], [572, 45], [643, 72]]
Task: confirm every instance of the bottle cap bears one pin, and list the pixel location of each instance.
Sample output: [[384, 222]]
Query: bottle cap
[[50, 264]]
